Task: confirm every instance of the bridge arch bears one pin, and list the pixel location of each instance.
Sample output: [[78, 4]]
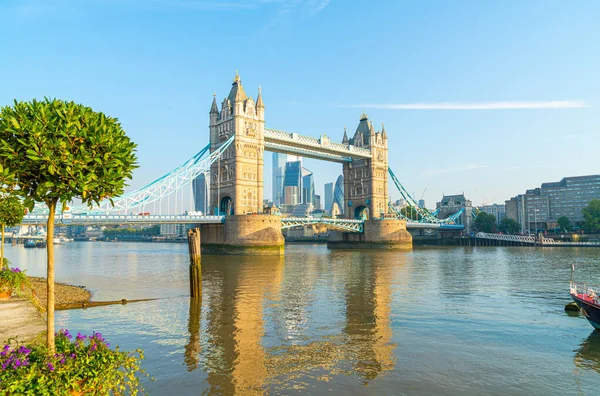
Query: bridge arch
[[226, 206], [361, 213]]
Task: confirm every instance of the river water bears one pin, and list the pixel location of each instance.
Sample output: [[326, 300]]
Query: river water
[[445, 321]]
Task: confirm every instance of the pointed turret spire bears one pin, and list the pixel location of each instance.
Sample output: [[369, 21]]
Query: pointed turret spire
[[214, 109], [345, 139], [371, 129], [237, 93], [259, 101], [383, 135]]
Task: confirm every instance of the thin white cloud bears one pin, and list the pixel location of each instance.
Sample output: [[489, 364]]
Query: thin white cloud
[[461, 168], [289, 13], [548, 104]]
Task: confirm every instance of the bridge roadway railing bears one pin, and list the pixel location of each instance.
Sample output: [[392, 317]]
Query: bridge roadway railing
[[102, 219], [347, 225]]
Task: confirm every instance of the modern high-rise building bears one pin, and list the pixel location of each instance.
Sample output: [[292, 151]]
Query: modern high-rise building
[[292, 183], [308, 187], [328, 191], [338, 194], [279, 161], [200, 190], [541, 207], [317, 202]]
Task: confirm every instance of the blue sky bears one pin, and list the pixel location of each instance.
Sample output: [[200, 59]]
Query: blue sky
[[488, 98]]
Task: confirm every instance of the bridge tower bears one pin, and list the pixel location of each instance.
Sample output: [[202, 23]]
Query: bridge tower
[[236, 188], [237, 177], [366, 195], [366, 181]]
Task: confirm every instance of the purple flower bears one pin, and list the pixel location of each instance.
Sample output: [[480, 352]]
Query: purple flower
[[15, 269], [80, 336], [72, 356], [62, 361], [50, 367]]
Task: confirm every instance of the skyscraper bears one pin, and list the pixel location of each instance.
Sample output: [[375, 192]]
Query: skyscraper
[[200, 190], [279, 161], [292, 183], [328, 196], [338, 194], [308, 187]]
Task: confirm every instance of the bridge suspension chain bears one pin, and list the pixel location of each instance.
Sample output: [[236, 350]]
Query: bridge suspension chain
[[163, 187], [425, 216]]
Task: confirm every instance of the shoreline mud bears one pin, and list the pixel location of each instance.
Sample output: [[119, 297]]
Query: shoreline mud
[[69, 296]]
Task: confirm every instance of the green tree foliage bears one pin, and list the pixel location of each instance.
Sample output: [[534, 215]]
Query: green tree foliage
[[509, 226], [125, 233], [411, 213], [11, 214], [59, 151], [485, 222], [591, 215], [564, 223]]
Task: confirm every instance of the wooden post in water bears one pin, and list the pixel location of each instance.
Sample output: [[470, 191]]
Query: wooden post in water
[[195, 268]]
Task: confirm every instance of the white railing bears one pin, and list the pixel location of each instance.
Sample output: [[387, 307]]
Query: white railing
[[507, 237], [348, 225], [321, 143], [91, 219]]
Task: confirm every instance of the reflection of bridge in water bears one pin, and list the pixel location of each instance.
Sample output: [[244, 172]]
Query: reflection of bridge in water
[[234, 160], [260, 331]]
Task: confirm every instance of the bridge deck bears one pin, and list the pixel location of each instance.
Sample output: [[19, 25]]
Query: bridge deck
[[306, 146], [349, 225]]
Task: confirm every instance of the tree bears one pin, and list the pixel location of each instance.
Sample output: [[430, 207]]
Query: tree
[[564, 223], [485, 222], [60, 151], [411, 213], [509, 226], [591, 215], [11, 214]]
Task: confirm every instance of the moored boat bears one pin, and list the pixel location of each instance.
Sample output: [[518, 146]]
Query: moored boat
[[29, 243], [587, 298]]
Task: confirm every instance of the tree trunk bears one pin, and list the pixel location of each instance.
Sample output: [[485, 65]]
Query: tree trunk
[[2, 250], [50, 277]]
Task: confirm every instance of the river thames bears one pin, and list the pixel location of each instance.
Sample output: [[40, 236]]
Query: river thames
[[446, 321]]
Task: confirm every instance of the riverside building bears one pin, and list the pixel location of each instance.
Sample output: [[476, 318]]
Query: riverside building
[[541, 207]]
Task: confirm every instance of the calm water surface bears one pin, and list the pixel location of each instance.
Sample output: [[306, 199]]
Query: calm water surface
[[468, 321]]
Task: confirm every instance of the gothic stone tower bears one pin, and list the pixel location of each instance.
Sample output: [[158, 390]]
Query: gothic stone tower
[[237, 177], [366, 181]]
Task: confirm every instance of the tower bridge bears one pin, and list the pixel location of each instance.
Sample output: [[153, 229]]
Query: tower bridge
[[234, 158]]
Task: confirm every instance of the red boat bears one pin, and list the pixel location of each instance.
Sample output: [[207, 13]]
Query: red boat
[[587, 298]]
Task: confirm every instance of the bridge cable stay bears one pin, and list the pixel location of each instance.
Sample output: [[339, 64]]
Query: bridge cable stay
[[425, 216], [160, 188]]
